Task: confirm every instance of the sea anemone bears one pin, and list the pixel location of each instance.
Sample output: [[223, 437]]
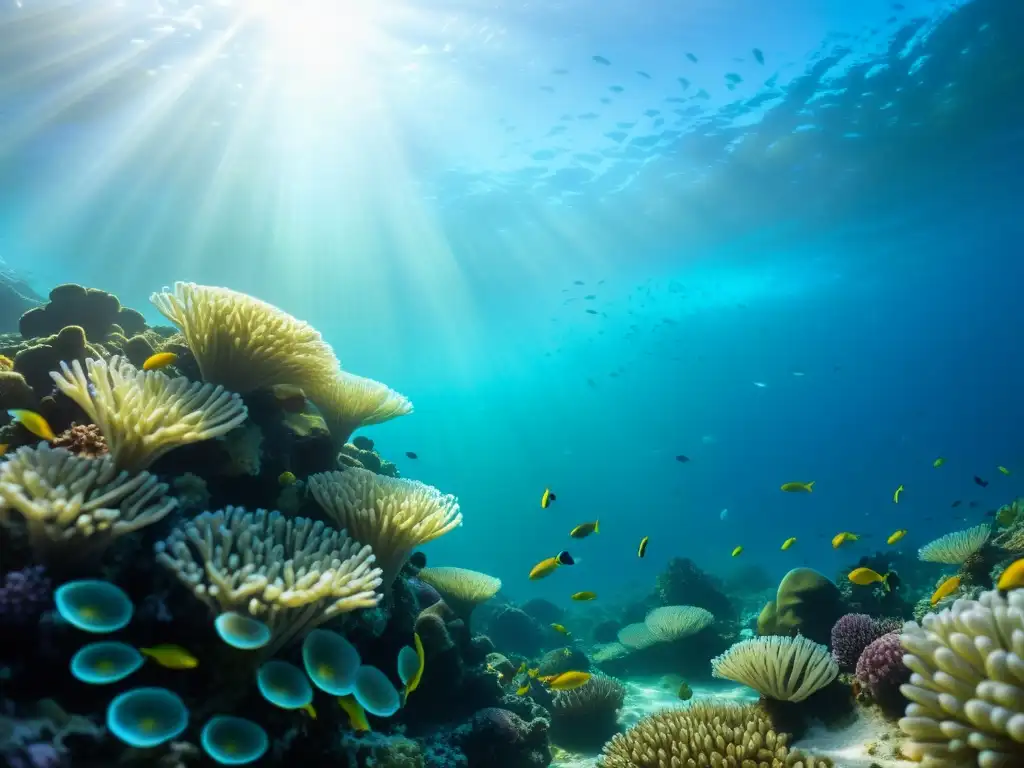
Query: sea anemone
[[780, 668], [955, 548]]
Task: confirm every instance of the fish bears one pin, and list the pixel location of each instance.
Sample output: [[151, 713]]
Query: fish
[[411, 455], [33, 422], [566, 681], [896, 536], [286, 478], [758, 55], [591, 311], [685, 692], [524, 689], [564, 558], [979, 481], [723, 514], [946, 588], [561, 629], [171, 656], [532, 673], [3, 448], [585, 596], [691, 57], [1004, 470], [642, 549], [788, 543], [159, 360], [414, 681], [841, 538], [760, 384], [603, 61], [585, 529], [737, 552], [896, 495], [1012, 577], [865, 577], [546, 498], [544, 568], [938, 462], [682, 459], [798, 487], [356, 713], [956, 503]]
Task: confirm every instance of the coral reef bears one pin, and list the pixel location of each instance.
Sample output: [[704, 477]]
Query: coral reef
[[515, 631], [780, 668], [584, 718], [854, 632], [880, 669], [96, 312], [683, 583], [498, 738], [16, 298], [806, 603], [85, 440], [24, 595]]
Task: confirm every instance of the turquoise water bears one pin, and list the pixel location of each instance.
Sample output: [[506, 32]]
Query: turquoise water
[[424, 184]]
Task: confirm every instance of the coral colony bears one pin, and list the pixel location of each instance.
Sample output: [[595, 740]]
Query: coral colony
[[212, 568]]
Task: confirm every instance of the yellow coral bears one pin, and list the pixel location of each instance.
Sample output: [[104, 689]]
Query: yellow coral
[[6, 364], [461, 588], [349, 402], [955, 548]]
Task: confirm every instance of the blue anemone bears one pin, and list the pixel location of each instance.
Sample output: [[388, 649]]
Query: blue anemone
[[234, 740], [331, 661], [241, 631], [93, 606], [146, 717], [105, 662], [284, 685], [375, 692]]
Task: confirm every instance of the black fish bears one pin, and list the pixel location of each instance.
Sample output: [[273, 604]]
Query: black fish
[[411, 454], [591, 311], [973, 505], [979, 481], [759, 56], [578, 282], [691, 57], [643, 75], [956, 503], [682, 459], [564, 558], [600, 60], [590, 296]]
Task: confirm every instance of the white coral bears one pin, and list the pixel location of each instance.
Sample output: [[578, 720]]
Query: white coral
[[781, 668]]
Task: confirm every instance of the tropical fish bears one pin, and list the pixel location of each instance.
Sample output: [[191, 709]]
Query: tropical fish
[[682, 459], [411, 455], [546, 498], [685, 692], [691, 57], [946, 588], [1006, 515], [532, 672], [159, 360], [356, 713], [414, 681], [564, 558], [547, 566], [584, 530], [938, 462], [566, 681], [737, 552], [1013, 576], [523, 689], [310, 710], [33, 422], [582, 597], [841, 538], [788, 543], [896, 496], [979, 481], [758, 56], [286, 478], [896, 536], [865, 577], [1004, 470], [798, 487], [561, 629], [642, 549], [171, 656], [603, 61]]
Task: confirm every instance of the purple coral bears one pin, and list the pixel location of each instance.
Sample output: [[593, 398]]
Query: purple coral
[[881, 670], [24, 595], [854, 632]]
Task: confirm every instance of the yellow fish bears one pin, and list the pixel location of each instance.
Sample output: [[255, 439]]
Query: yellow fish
[[582, 597], [938, 462], [1004, 470], [582, 531], [737, 552], [561, 630], [356, 713], [1013, 576], [532, 673], [33, 422], [946, 588], [546, 498], [642, 549], [896, 496], [788, 543], [841, 538], [310, 710], [524, 689], [896, 536], [566, 681], [798, 487], [414, 681], [3, 448], [544, 568], [286, 478], [865, 576], [159, 360], [171, 656]]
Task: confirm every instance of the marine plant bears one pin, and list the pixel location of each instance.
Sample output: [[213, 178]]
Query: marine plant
[[290, 573], [779, 668], [74, 507], [957, 547], [966, 689], [349, 402], [394, 516], [145, 414], [708, 733], [461, 589]]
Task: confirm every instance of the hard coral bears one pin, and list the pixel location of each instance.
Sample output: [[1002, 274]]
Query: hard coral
[[497, 738], [96, 311], [585, 717], [880, 669], [854, 632], [84, 440], [37, 361]]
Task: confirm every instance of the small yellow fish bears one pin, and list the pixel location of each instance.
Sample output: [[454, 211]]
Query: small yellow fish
[[159, 360], [286, 478], [566, 681], [582, 597], [532, 673], [938, 462], [171, 656], [841, 538], [544, 568], [798, 487], [310, 710], [1004, 470], [33, 422], [896, 536], [3, 448], [414, 681], [865, 576], [642, 549], [946, 588], [788, 543], [1013, 576], [896, 496], [1006, 515], [523, 689], [560, 629], [738, 551], [546, 498], [522, 668], [356, 713], [584, 530]]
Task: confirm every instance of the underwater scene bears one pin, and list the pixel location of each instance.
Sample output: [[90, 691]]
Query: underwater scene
[[442, 384]]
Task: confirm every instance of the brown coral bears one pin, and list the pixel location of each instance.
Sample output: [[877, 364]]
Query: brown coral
[[84, 440]]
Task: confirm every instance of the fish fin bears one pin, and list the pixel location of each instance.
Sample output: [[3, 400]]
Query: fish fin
[[597, 526], [885, 582], [810, 486]]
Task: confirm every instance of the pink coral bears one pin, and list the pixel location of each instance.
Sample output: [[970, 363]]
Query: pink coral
[[881, 670], [852, 633]]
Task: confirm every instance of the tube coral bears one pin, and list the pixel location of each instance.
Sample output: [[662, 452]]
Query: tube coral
[[145, 414], [780, 668], [290, 573], [349, 402]]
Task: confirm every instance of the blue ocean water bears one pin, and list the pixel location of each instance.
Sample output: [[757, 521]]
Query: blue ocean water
[[438, 187]]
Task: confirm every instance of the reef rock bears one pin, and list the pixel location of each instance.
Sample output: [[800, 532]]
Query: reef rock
[[497, 738], [514, 631], [683, 583], [96, 312]]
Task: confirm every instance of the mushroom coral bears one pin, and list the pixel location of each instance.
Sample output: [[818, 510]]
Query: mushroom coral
[[674, 622], [780, 668], [145, 414], [461, 589], [291, 573]]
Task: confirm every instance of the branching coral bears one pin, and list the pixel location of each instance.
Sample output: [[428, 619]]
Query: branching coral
[[349, 402], [674, 622], [243, 343], [462, 589], [955, 548], [392, 515], [967, 686], [705, 734], [74, 507], [145, 414], [780, 668], [290, 573]]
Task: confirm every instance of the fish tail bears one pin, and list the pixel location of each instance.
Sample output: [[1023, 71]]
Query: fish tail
[[885, 582], [810, 486], [597, 526]]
